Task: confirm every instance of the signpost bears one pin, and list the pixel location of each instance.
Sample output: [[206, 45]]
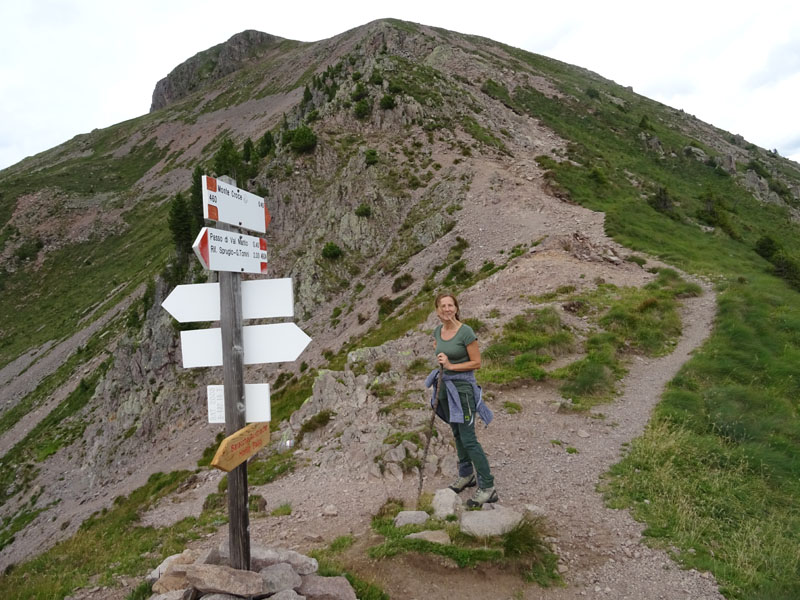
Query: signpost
[[240, 446], [261, 299], [232, 345], [275, 342], [220, 250], [226, 203], [256, 403]]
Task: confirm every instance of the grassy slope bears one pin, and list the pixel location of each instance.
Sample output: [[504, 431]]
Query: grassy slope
[[720, 464]]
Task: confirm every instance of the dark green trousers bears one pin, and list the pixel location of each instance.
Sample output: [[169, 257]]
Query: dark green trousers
[[469, 450]]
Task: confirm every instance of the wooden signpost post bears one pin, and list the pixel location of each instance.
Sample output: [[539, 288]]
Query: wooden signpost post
[[232, 345]]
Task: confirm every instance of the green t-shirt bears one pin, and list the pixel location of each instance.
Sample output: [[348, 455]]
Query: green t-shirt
[[455, 348]]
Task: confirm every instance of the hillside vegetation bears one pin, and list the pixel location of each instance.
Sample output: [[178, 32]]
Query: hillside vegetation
[[375, 150]]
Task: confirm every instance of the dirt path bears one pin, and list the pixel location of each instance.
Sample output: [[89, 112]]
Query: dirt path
[[602, 551]]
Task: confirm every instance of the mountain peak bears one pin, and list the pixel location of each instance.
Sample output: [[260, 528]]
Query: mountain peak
[[212, 64]]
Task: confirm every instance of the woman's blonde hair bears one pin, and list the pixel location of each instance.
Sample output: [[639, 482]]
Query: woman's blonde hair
[[448, 295]]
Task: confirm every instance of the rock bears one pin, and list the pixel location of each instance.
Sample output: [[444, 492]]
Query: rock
[[533, 511], [330, 511], [174, 578], [261, 557], [211, 65], [161, 569], [209, 557], [286, 595], [315, 587], [410, 517], [694, 152], [218, 579], [437, 536], [173, 595], [487, 523], [397, 454], [280, 577], [394, 470], [583, 433], [444, 503]]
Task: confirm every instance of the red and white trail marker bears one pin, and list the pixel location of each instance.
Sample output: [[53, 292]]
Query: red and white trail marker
[[227, 203], [220, 250]]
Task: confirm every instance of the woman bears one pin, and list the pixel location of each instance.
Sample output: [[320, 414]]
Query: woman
[[459, 397]]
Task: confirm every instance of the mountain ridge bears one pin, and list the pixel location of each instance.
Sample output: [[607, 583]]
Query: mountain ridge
[[465, 173]]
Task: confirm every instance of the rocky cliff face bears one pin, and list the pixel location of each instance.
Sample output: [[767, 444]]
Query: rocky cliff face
[[211, 65]]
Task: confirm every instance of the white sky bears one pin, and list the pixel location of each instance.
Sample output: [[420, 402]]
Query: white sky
[[70, 66]]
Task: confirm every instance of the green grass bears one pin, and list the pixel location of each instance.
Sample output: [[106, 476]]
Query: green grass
[[45, 304], [261, 471], [108, 544], [522, 548], [528, 342], [283, 510]]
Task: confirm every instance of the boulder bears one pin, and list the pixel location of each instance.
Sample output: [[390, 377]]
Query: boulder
[[444, 503], [315, 587], [218, 579], [487, 523], [280, 577], [410, 517]]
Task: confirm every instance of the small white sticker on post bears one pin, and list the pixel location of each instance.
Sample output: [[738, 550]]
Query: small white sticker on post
[[256, 397]]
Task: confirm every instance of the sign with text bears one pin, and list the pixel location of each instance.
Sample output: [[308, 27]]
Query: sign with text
[[275, 342], [237, 448], [256, 400], [220, 250], [227, 203], [261, 299]]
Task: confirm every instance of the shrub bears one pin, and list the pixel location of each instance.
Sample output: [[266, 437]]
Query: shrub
[[592, 93], [376, 78], [359, 93], [402, 282], [303, 139], [331, 251], [371, 157], [388, 102], [363, 210], [362, 109]]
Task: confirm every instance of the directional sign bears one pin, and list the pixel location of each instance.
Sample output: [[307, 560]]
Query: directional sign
[[276, 342], [261, 299], [227, 203], [220, 250], [237, 448], [256, 400]]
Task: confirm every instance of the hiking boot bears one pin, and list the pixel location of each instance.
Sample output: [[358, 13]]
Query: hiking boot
[[464, 482], [482, 496]]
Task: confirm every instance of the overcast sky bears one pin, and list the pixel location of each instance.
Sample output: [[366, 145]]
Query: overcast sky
[[70, 66]]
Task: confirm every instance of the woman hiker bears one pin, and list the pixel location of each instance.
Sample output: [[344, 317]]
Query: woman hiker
[[459, 398]]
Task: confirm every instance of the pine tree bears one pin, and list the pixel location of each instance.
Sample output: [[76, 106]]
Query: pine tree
[[180, 225], [247, 150], [265, 144], [228, 161], [196, 202]]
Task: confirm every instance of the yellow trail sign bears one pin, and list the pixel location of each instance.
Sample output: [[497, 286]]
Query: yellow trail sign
[[237, 448]]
